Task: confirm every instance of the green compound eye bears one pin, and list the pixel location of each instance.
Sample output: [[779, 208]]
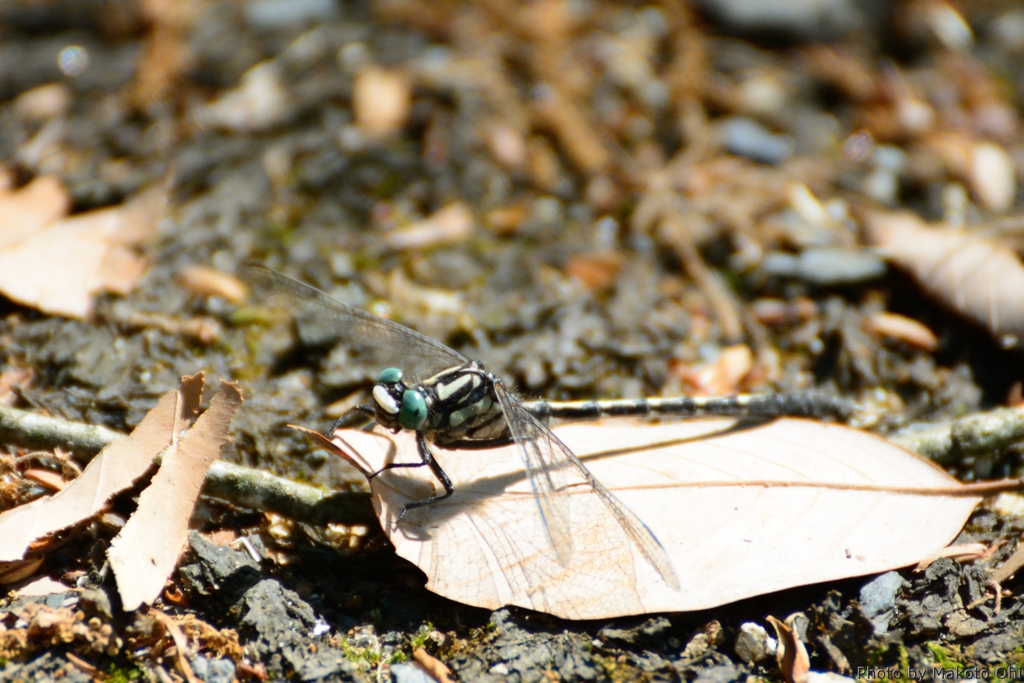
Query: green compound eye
[[414, 410], [389, 376]]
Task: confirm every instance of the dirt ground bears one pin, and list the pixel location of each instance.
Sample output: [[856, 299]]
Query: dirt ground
[[596, 199]]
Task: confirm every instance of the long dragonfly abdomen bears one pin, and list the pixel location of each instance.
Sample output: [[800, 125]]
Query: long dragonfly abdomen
[[764, 406]]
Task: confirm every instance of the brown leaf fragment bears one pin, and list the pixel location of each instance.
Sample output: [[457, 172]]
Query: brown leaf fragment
[[896, 326], [453, 223], [28, 210], [114, 469], [434, 667], [144, 554], [80, 664], [792, 655], [59, 268], [207, 281], [181, 646], [48, 478], [13, 572], [963, 551], [974, 276]]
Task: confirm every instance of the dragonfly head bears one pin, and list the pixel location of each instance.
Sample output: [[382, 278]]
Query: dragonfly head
[[398, 406]]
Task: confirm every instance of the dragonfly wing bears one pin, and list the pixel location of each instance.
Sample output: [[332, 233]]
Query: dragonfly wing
[[384, 341], [548, 463], [546, 478]]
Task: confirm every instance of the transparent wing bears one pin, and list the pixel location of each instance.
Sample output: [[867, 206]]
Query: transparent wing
[[385, 342], [548, 462]]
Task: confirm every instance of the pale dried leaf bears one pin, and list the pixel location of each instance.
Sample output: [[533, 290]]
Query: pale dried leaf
[[25, 212], [453, 223], [144, 554], [44, 585], [740, 514], [973, 275], [381, 100], [114, 469], [58, 269]]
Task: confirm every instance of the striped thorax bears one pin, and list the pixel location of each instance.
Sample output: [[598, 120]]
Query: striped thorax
[[457, 404]]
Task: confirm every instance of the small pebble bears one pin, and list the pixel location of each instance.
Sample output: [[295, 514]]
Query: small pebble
[[753, 643], [949, 26], [279, 14], [878, 597], [406, 672], [827, 266], [750, 139]]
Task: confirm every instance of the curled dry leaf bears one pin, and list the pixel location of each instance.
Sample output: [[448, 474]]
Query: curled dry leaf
[[146, 551], [60, 266], [973, 275], [792, 655], [740, 512], [114, 469]]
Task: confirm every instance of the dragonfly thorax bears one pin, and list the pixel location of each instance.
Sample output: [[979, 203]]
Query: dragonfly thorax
[[456, 404]]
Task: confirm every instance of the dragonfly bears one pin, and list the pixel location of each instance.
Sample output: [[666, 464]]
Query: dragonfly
[[453, 402]]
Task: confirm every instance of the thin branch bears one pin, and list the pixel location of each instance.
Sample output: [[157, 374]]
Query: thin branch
[[242, 486], [971, 435]]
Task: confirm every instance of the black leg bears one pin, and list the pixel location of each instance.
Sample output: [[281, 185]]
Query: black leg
[[360, 416], [426, 458]]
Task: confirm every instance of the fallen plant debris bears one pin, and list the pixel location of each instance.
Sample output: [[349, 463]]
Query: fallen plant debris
[[58, 264], [721, 500], [146, 551], [655, 199]]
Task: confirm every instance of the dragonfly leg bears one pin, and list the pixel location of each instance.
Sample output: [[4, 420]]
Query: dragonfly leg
[[354, 418], [427, 459]]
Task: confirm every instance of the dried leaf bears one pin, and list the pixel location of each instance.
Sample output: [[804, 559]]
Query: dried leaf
[[896, 326], [432, 665], [453, 223], [60, 267], [13, 572], [792, 655], [975, 276], [27, 211], [963, 551], [144, 554], [381, 100], [740, 513], [44, 585], [114, 469]]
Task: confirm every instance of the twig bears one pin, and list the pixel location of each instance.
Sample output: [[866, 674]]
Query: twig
[[242, 486], [979, 433], [29, 430]]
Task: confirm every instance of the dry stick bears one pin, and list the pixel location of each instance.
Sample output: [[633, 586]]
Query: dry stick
[[255, 489], [235, 484], [974, 434], [675, 232]]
